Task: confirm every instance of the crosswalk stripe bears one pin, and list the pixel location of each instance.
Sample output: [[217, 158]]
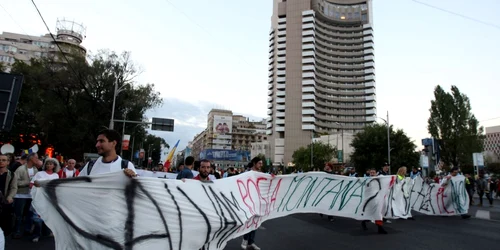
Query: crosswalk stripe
[[483, 214]]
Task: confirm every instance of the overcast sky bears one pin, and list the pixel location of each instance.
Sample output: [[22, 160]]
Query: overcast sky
[[204, 54]]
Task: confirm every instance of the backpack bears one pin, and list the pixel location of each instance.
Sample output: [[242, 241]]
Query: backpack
[[91, 164]]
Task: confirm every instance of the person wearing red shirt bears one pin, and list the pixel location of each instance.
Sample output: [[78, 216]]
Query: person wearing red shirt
[[69, 171], [204, 171]]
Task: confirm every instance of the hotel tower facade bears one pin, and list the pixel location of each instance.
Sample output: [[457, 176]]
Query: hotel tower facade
[[321, 72]]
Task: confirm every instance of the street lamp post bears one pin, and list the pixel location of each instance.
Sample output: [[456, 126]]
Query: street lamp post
[[312, 146], [115, 94], [123, 131], [388, 141], [133, 141]]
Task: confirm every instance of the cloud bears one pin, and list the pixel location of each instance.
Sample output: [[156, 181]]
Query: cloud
[[190, 118]]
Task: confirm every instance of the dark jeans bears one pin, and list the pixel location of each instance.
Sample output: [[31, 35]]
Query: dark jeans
[[250, 237], [40, 228], [6, 218], [22, 209], [488, 196], [470, 192]]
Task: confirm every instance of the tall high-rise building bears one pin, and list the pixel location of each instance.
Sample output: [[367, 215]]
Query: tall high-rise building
[[321, 71], [492, 143]]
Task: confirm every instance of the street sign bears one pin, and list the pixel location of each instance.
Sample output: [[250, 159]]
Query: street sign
[[340, 156], [162, 124], [10, 91], [125, 142]]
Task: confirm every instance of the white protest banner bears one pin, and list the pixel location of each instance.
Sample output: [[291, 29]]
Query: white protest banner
[[430, 199], [116, 212], [165, 175]]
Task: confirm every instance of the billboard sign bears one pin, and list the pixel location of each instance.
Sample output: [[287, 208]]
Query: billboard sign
[[223, 127], [125, 142], [340, 156], [478, 160], [225, 155], [424, 161]]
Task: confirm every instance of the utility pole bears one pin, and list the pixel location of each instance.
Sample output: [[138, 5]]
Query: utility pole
[[342, 146], [388, 143], [343, 160], [123, 131], [312, 146], [115, 94], [132, 151]]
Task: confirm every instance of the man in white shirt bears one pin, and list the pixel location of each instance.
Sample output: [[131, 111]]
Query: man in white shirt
[[108, 142], [445, 181], [249, 239]]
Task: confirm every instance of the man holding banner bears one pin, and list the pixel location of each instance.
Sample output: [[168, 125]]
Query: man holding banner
[[446, 180], [379, 223], [108, 141], [249, 238], [204, 171]]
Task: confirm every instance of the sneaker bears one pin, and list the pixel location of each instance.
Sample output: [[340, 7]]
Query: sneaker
[[244, 244], [381, 230], [255, 247], [35, 240], [363, 225]]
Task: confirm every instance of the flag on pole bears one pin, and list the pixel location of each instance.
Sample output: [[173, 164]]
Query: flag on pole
[[168, 161]]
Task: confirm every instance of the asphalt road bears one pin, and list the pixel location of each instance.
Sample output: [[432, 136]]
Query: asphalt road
[[310, 231]]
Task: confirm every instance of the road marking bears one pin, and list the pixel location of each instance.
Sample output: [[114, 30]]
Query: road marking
[[483, 214], [262, 228]]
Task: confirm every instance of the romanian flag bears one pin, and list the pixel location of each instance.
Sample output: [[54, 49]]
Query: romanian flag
[[27, 151], [170, 155]]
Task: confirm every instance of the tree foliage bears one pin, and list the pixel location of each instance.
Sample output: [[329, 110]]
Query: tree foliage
[[452, 122], [152, 147], [65, 105], [494, 167], [370, 148], [322, 153]]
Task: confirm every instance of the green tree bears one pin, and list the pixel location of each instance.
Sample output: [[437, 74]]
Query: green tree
[[494, 167], [453, 124], [2, 67], [322, 153], [370, 149], [152, 147], [65, 105]]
